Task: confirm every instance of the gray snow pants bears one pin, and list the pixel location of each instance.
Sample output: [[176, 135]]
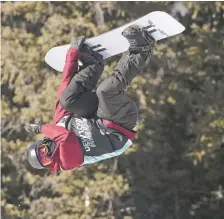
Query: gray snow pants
[[110, 100]]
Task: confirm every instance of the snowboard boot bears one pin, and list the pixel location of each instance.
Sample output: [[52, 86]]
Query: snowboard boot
[[140, 40], [133, 61]]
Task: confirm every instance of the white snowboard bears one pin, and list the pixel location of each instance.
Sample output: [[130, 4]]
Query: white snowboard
[[159, 24]]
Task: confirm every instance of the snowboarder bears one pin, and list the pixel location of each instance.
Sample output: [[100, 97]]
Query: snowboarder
[[91, 126]]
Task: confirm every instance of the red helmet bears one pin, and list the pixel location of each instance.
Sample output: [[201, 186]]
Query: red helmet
[[37, 155]]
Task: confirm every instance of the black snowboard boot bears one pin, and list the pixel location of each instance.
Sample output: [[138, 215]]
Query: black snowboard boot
[[140, 40]]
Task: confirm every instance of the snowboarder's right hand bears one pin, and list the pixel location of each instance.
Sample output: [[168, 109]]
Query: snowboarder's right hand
[[88, 56], [77, 43], [36, 128]]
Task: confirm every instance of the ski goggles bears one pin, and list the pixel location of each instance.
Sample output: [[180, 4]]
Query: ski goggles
[[42, 151]]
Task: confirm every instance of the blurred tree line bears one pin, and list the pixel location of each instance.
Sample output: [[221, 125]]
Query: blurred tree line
[[175, 169]]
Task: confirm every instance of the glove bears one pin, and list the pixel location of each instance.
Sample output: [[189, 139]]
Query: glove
[[77, 43], [89, 56], [36, 128]]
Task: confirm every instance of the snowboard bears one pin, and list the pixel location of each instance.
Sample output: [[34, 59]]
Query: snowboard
[[158, 23]]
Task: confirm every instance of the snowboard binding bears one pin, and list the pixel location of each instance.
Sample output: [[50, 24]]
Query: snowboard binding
[[140, 40]]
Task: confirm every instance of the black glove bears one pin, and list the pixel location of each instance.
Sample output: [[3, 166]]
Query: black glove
[[77, 43], [89, 56], [36, 128]]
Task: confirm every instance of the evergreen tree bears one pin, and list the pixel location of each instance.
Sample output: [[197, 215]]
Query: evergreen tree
[[174, 169]]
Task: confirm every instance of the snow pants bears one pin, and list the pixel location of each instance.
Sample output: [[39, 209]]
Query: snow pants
[[110, 100]]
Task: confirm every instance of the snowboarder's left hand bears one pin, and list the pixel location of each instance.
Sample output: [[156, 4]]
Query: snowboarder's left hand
[[36, 128], [77, 43]]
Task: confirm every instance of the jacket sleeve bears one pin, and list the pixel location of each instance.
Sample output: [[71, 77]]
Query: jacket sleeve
[[70, 68], [56, 133], [68, 154]]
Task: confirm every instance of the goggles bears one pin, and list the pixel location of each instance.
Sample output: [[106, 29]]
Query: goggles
[[41, 151]]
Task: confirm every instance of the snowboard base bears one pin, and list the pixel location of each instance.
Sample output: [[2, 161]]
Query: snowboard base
[[159, 24]]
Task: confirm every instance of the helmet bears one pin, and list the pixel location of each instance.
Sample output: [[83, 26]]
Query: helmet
[[37, 155]]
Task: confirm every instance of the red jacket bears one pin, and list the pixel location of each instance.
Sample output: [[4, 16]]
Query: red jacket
[[68, 153]]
